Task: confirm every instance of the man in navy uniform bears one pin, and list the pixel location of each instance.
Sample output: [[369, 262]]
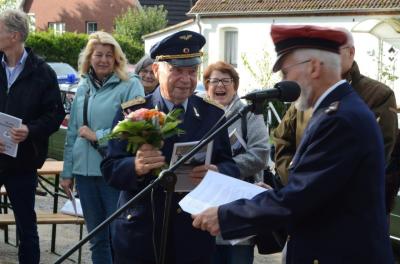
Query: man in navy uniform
[[136, 233], [333, 205]]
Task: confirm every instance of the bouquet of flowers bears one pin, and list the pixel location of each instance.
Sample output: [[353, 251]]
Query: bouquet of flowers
[[149, 126]]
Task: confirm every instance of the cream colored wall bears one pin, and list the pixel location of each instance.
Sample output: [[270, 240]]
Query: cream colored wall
[[254, 37]]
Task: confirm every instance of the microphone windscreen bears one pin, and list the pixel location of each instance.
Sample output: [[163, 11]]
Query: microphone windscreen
[[289, 91]]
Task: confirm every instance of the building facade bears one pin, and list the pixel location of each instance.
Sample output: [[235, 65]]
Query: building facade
[[75, 15]]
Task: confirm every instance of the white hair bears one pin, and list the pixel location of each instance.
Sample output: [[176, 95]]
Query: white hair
[[330, 60]]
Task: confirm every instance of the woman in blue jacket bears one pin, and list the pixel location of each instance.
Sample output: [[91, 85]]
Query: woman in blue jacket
[[104, 85]]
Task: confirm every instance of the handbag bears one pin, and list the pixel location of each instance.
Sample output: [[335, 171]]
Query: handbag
[[101, 149]]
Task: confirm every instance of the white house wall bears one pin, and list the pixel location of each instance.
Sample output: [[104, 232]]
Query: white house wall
[[254, 37]]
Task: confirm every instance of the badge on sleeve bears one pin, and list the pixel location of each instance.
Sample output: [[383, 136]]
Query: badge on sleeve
[[138, 100]]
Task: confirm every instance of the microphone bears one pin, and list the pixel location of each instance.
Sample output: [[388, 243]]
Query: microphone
[[285, 91]]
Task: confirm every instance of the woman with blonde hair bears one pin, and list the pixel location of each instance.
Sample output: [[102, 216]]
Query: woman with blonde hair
[[104, 85]]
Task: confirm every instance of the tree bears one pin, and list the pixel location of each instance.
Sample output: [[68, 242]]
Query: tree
[[135, 23], [262, 73], [7, 4]]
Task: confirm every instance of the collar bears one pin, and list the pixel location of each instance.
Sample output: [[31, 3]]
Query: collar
[[353, 75], [21, 61], [169, 104], [326, 93]]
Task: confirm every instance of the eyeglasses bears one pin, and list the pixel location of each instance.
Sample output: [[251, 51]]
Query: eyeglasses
[[284, 69], [345, 47], [145, 72], [224, 81]]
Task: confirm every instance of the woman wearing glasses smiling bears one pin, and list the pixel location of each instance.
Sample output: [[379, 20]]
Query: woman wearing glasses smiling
[[221, 82]]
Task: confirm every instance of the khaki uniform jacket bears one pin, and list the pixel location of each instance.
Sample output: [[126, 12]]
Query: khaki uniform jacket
[[379, 98]]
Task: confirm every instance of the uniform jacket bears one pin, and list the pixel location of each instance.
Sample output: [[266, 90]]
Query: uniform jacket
[[379, 98], [333, 204], [79, 155], [35, 98], [133, 230]]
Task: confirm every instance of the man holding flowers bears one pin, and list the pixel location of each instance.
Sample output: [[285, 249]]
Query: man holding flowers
[[136, 233]]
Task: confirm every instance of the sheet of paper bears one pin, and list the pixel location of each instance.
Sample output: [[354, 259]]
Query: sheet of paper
[[73, 200], [217, 189], [6, 123], [184, 183], [72, 208]]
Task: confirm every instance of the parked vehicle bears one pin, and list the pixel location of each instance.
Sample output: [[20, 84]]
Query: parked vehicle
[[68, 79]]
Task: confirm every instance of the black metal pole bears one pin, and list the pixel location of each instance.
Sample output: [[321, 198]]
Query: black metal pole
[[169, 180], [252, 107]]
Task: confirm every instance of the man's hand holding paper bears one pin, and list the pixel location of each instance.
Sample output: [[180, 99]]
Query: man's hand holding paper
[[214, 190], [19, 134], [207, 221], [199, 172]]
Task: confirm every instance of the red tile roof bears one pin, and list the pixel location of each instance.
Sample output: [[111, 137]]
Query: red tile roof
[[243, 7]]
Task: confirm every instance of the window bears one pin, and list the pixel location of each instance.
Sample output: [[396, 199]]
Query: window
[[57, 27], [231, 47], [91, 27]]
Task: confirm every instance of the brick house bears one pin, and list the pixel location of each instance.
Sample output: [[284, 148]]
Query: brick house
[[91, 15], [76, 15]]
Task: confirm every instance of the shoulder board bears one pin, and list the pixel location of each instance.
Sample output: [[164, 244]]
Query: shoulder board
[[137, 101], [332, 108], [213, 102]]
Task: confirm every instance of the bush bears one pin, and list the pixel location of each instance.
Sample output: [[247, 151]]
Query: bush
[[136, 23], [66, 47], [133, 50]]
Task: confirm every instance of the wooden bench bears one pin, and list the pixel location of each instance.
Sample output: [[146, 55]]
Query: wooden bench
[[45, 218], [49, 218]]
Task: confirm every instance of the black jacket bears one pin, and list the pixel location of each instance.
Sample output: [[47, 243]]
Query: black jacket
[[35, 98]]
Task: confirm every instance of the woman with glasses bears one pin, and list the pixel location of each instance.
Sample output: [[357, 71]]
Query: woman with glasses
[[145, 72], [221, 82]]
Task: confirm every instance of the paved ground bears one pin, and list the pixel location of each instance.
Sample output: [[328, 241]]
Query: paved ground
[[67, 236]]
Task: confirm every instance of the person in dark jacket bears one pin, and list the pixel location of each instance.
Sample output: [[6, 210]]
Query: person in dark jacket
[[136, 232], [333, 205], [29, 91], [379, 98]]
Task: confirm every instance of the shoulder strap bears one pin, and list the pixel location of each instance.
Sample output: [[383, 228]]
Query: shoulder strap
[[244, 127], [85, 107], [85, 120]]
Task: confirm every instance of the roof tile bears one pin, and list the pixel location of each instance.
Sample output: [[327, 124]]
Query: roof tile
[[284, 6]]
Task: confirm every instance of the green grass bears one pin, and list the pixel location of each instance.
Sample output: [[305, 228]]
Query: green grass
[[56, 145]]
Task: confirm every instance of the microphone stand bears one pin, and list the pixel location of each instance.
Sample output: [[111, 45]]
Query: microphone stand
[[168, 179]]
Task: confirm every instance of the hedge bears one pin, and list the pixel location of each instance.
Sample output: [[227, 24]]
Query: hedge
[[66, 47]]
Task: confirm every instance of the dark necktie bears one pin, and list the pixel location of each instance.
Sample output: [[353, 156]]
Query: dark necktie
[[182, 114]]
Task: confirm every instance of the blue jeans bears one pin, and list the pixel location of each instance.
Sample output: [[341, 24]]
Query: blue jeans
[[98, 202], [239, 254], [21, 188]]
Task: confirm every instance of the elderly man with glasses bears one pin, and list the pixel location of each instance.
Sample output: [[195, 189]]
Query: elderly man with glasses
[[136, 234], [379, 98], [333, 205]]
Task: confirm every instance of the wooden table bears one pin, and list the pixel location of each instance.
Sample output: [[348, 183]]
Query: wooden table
[[52, 168]]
